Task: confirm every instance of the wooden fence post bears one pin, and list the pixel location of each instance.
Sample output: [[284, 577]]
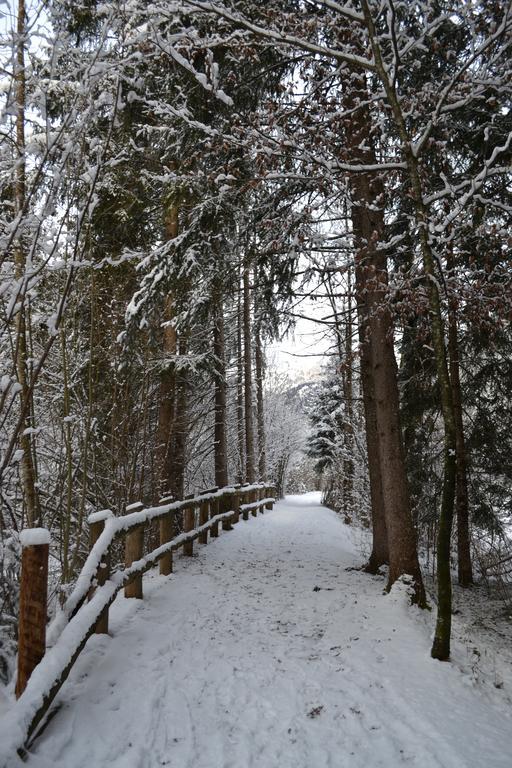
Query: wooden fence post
[[245, 498], [189, 519], [226, 503], [166, 534], [236, 504], [261, 496], [134, 549], [96, 525], [203, 518], [35, 544], [214, 510], [269, 495], [254, 498]]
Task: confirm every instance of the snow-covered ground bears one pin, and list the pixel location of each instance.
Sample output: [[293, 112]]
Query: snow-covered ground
[[263, 651]]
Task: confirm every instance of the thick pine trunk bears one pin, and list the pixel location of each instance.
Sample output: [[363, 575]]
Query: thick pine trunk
[[371, 276], [380, 383], [441, 645], [380, 552]]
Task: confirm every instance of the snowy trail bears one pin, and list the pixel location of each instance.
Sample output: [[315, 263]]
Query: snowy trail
[[264, 652]]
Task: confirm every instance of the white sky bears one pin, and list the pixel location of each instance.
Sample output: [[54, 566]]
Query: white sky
[[302, 354]]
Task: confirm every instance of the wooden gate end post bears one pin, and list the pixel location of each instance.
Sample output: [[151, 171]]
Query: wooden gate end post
[[134, 550], [203, 518], [35, 543], [96, 525], [189, 519], [166, 524], [226, 504]]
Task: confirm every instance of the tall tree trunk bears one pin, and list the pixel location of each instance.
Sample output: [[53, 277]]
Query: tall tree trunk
[[371, 278], [380, 551], [348, 463], [27, 464], [167, 400], [240, 391], [220, 452], [441, 645], [343, 335], [465, 569], [249, 423], [380, 384], [179, 437], [262, 469]]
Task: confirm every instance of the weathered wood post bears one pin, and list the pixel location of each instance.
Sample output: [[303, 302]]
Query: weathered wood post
[[235, 500], [166, 534], [167, 530], [261, 496], [226, 503], [269, 495], [134, 550], [214, 510], [245, 498], [96, 525], [189, 519], [35, 544], [204, 511], [254, 497]]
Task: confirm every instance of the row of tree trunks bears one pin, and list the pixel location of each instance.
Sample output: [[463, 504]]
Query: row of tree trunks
[[441, 644]]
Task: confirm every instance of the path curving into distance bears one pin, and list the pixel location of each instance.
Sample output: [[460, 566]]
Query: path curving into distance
[[263, 651]]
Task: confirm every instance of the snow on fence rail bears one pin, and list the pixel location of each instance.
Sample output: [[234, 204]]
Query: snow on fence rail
[[41, 674]]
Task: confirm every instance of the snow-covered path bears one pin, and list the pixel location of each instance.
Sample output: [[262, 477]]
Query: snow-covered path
[[264, 652]]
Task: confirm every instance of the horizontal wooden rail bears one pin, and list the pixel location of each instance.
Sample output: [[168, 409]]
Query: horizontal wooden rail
[[115, 526], [80, 619]]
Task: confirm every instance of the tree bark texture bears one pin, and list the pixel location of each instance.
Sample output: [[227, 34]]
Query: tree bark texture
[[248, 401], [262, 461], [220, 429], [27, 463], [441, 645]]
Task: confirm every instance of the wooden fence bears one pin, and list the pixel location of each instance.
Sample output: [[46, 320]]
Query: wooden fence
[[42, 671]]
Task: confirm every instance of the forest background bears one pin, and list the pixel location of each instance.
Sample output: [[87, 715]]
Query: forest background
[[176, 179]]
